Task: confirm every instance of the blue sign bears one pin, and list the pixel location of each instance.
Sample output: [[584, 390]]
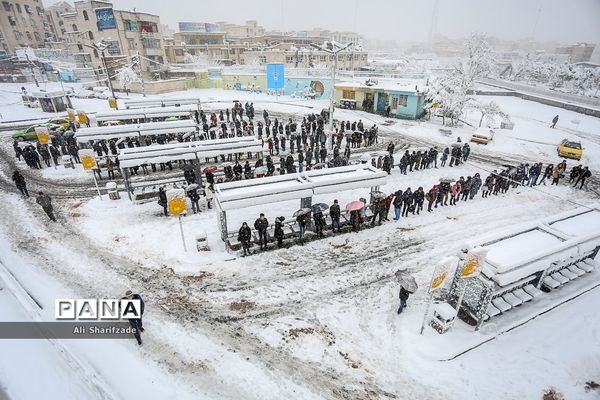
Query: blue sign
[[106, 19], [275, 76]]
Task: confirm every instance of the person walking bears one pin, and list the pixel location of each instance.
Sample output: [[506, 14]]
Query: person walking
[[583, 175], [261, 225], [404, 294], [547, 174], [244, 237], [554, 121], [136, 323], [20, 183], [334, 214], [574, 174], [46, 202]]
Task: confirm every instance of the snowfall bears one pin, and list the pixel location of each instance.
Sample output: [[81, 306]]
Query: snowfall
[[305, 322]]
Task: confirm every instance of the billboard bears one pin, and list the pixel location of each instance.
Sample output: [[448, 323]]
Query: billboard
[[275, 76], [105, 19], [198, 27]]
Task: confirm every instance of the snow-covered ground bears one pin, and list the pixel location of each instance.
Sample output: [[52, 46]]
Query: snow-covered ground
[[304, 322]]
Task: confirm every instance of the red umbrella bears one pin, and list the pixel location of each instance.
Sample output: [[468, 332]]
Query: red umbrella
[[355, 205], [209, 169]]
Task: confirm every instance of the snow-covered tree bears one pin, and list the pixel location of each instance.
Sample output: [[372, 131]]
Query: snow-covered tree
[[479, 62], [126, 76], [489, 111], [448, 99]]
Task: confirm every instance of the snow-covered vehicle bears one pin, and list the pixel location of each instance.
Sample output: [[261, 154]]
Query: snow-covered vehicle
[[85, 94], [482, 136]]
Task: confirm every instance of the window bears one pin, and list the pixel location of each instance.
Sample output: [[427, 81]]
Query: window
[[27, 9], [74, 27], [39, 10], [28, 35], [6, 5], [91, 35], [63, 31], [322, 58], [79, 47], [61, 23], [178, 52], [57, 14], [95, 53], [150, 43], [85, 15], [12, 20], [18, 7], [289, 59], [348, 94], [18, 35], [262, 59], [402, 100], [37, 36], [131, 43], [300, 58]]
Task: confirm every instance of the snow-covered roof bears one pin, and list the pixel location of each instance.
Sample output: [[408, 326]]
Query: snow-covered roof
[[132, 157], [524, 250], [386, 85], [84, 135], [148, 112], [240, 194]]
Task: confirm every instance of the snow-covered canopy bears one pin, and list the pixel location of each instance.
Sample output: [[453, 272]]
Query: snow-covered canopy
[[523, 251], [163, 102], [132, 157], [147, 113], [241, 194], [84, 135]]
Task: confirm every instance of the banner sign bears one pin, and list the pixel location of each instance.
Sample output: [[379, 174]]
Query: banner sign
[[87, 159], [442, 270], [473, 262], [105, 19], [176, 203], [42, 134], [275, 76]]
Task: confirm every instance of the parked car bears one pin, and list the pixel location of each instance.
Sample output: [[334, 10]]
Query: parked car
[[62, 121], [29, 133], [570, 149], [85, 94], [482, 136]]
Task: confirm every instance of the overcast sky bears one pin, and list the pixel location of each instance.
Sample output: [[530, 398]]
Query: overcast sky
[[402, 20]]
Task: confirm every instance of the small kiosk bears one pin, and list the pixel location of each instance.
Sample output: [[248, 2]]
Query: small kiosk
[[53, 101]]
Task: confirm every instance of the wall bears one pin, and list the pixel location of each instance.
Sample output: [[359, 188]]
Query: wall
[[302, 86], [157, 87], [245, 82]]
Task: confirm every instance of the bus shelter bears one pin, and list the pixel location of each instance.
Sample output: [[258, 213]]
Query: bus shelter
[[53, 101], [84, 135], [140, 115], [301, 186], [195, 152]]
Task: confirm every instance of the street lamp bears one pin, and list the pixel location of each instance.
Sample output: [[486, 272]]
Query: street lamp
[[101, 47], [333, 49]]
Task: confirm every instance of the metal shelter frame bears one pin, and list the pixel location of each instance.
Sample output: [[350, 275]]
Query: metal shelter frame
[[303, 186]]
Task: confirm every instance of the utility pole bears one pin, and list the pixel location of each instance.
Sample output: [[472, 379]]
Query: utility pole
[[333, 49], [31, 67], [139, 63], [101, 47]]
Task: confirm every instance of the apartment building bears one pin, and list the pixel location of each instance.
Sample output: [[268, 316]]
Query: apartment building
[[22, 24]]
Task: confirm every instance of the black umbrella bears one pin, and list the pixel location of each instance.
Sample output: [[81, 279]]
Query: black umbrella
[[302, 211], [319, 207]]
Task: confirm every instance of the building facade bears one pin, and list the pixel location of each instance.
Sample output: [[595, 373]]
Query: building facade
[[125, 33], [578, 52], [22, 24]]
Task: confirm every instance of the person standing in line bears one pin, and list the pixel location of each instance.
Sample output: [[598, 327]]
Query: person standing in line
[[261, 225], [244, 237], [334, 213]]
